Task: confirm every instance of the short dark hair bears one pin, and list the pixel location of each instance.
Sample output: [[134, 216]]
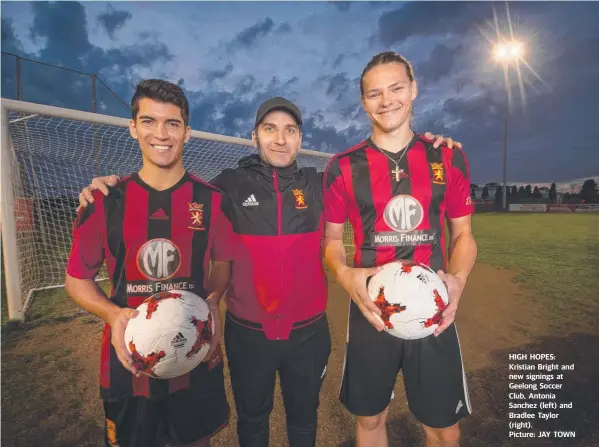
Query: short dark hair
[[163, 91], [387, 57]]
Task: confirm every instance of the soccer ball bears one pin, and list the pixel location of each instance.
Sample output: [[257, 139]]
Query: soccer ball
[[411, 297], [171, 334]]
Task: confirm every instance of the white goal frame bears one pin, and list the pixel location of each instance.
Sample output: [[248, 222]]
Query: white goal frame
[[17, 303]]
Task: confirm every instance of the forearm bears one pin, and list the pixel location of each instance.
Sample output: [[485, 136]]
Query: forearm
[[88, 295], [218, 282], [462, 255], [334, 255]]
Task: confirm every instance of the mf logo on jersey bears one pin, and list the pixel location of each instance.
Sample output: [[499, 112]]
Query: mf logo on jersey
[[403, 213], [158, 259]]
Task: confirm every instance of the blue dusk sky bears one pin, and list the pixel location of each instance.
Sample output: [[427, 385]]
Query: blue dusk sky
[[230, 56]]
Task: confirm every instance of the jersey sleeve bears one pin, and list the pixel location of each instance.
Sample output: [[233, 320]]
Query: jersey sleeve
[[336, 203], [222, 180], [87, 250], [459, 203], [223, 243]]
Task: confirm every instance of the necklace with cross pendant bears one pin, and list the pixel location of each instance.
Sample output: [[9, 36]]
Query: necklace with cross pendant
[[396, 172]]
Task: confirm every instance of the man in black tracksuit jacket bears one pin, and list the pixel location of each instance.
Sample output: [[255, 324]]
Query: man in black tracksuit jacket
[[277, 297]]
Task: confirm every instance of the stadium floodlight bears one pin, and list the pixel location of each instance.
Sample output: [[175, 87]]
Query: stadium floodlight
[[506, 52]]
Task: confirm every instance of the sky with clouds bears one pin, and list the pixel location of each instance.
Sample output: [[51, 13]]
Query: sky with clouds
[[230, 56]]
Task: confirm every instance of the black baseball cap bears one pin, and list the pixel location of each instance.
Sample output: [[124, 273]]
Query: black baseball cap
[[278, 103]]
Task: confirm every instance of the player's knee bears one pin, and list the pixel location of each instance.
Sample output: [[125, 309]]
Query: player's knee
[[372, 423], [448, 436]]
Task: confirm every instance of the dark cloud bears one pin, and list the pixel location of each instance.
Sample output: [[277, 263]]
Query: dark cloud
[[415, 19], [67, 42], [340, 5], [113, 20], [344, 6], [212, 75], [459, 83], [148, 35], [327, 138], [579, 60], [249, 36], [68, 46], [245, 86], [284, 28], [425, 19], [338, 85], [351, 112], [10, 43], [440, 64], [338, 60], [232, 112]]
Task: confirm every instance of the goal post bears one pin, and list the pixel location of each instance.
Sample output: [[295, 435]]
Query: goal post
[[48, 155], [12, 274]]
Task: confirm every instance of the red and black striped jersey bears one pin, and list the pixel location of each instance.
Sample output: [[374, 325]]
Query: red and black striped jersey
[[151, 241], [398, 211]]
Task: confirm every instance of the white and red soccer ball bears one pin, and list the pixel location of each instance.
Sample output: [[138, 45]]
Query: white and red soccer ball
[[171, 334], [411, 297]]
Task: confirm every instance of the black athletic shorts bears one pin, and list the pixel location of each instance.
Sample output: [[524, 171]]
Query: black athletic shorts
[[432, 368], [185, 417]]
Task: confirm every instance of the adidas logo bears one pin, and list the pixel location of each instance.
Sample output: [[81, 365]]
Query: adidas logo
[[159, 215], [178, 340], [251, 201], [423, 278]]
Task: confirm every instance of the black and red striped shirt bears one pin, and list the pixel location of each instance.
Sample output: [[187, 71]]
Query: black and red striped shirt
[[151, 241], [398, 212]]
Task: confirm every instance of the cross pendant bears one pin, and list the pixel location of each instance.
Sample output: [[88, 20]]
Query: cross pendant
[[396, 171]]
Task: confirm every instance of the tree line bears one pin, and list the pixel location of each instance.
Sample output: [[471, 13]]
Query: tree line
[[589, 192]]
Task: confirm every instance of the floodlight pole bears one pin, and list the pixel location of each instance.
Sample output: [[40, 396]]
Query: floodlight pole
[[507, 108]]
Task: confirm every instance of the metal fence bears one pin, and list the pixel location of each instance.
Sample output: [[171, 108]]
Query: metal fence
[[88, 91]]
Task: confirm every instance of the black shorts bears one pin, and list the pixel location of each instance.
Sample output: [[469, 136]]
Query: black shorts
[[432, 368], [185, 417]]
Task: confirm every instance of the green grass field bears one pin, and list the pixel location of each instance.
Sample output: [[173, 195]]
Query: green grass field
[[556, 254]]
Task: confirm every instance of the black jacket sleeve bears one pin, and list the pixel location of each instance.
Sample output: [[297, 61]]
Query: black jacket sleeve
[[224, 182]]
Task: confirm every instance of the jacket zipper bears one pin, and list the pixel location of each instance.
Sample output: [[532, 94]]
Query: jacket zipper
[[280, 229]]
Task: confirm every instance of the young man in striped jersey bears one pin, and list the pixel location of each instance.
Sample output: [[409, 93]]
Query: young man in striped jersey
[[157, 230], [395, 182]]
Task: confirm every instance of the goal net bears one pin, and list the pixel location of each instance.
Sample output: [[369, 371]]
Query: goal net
[[52, 154]]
